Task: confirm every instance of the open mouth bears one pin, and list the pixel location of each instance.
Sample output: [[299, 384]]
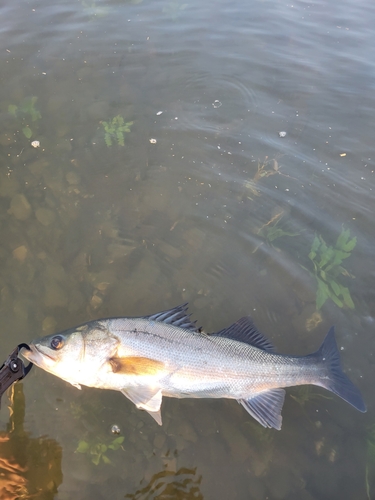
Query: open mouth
[[37, 356], [41, 352]]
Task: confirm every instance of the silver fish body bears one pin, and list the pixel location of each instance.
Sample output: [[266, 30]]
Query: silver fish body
[[166, 355]]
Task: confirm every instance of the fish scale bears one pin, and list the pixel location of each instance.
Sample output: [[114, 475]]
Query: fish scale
[[165, 354]]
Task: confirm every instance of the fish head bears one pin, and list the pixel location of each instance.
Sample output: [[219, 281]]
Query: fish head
[[60, 354]]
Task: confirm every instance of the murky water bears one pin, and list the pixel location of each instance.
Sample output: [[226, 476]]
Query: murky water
[[161, 177]]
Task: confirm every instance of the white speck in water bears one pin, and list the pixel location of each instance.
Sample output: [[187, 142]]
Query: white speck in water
[[282, 133], [35, 144], [217, 103], [159, 113], [153, 141]]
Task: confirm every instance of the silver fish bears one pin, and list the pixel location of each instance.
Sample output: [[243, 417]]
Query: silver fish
[[165, 354]]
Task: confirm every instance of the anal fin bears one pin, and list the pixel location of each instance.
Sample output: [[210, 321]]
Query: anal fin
[[156, 415], [266, 407], [146, 398]]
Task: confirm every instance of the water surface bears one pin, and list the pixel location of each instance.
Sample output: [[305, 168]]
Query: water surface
[[205, 202]]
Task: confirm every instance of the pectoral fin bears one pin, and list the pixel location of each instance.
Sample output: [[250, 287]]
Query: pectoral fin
[[266, 407], [136, 365], [146, 398]]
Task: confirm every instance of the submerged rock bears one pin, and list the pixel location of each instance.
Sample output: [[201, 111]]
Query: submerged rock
[[20, 253], [20, 207], [9, 185], [159, 440], [72, 178], [49, 325], [45, 216], [55, 296]]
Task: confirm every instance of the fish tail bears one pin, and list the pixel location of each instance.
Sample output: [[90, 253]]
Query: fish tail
[[334, 379]]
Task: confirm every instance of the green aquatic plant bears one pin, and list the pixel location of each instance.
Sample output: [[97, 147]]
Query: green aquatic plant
[[94, 9], [304, 394], [271, 231], [115, 129], [328, 269], [97, 450], [174, 9], [25, 111]]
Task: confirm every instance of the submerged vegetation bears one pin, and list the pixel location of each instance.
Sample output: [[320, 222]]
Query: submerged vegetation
[[326, 259], [272, 231], [94, 9], [266, 168], [115, 130], [24, 112], [305, 394], [327, 262], [97, 450]]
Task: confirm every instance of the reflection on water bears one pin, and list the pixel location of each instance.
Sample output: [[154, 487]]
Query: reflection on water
[[183, 485], [29, 467]]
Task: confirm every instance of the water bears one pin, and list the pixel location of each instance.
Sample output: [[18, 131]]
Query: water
[[190, 208]]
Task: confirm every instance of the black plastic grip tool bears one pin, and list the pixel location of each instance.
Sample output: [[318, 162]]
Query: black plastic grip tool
[[13, 369]]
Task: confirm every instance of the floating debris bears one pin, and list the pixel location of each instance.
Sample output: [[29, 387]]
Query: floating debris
[[217, 104], [159, 113], [153, 141], [35, 144], [282, 133]]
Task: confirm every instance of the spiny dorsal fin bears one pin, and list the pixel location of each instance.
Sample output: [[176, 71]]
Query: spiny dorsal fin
[[135, 365], [177, 317], [244, 330]]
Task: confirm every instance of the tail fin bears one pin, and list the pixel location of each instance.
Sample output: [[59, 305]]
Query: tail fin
[[335, 380]]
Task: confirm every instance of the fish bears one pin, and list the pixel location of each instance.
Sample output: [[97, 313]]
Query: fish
[[166, 354]]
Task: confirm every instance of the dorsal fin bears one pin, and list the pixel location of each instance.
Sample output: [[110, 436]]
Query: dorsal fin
[[176, 317], [244, 330]]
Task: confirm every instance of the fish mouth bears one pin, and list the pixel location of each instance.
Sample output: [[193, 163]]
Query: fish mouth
[[38, 356]]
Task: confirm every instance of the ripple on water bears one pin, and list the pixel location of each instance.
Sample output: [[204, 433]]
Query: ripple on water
[[214, 105]]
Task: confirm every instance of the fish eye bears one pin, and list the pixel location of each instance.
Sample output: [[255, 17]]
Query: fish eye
[[57, 342]]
